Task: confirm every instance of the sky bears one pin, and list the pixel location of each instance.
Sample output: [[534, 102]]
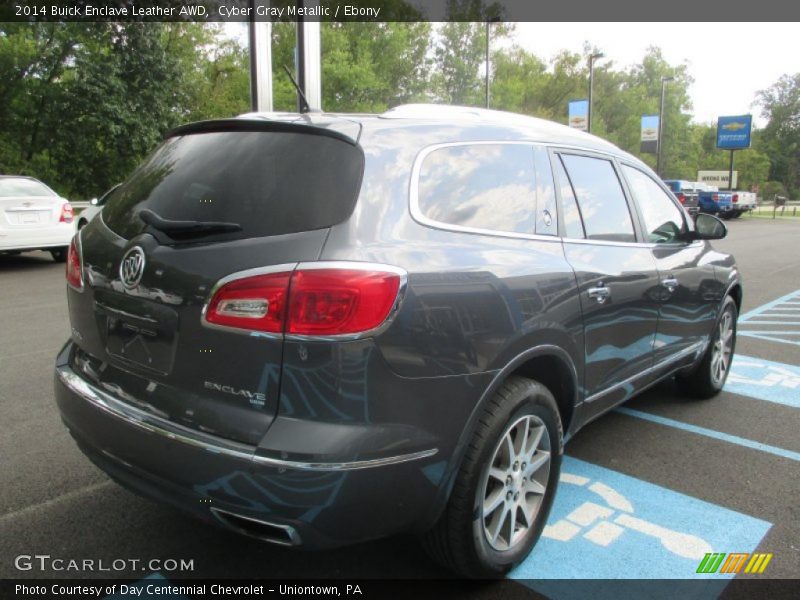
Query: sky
[[730, 62]]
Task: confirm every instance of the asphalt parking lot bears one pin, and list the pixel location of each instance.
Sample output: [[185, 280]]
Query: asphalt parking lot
[[647, 490]]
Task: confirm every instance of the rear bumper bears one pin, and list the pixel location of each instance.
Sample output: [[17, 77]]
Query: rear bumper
[[318, 504], [54, 236]]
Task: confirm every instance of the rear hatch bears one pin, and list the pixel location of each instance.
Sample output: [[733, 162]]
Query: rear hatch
[[215, 199]]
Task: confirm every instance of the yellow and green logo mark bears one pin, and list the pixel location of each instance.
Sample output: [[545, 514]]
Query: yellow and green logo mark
[[713, 562]]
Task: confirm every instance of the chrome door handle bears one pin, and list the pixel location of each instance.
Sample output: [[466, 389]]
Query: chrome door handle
[[600, 293], [670, 283]]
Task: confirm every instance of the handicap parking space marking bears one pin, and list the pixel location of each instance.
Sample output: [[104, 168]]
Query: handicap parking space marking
[[606, 525], [783, 312], [764, 380]]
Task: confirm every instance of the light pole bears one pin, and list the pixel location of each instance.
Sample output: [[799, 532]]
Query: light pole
[[664, 81], [488, 29], [592, 58]]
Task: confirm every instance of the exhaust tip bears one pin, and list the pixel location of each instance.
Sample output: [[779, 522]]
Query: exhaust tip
[[274, 533]]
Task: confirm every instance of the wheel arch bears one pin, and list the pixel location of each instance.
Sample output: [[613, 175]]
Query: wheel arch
[[550, 365]]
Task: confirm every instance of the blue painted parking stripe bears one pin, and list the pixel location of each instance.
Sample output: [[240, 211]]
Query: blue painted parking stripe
[[790, 297], [765, 380], [718, 435]]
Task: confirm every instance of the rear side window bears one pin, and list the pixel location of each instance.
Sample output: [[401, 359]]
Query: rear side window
[[600, 197], [481, 186], [269, 183]]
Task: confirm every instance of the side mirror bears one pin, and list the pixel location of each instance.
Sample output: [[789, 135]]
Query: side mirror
[[709, 227], [93, 201]]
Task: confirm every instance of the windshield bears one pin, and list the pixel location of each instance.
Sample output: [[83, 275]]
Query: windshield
[[19, 186], [268, 183]]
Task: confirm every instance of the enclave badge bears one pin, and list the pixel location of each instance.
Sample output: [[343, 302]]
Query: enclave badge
[[132, 267]]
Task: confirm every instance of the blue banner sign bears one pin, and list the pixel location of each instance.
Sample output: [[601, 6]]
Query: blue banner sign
[[579, 114], [649, 137], [733, 133]]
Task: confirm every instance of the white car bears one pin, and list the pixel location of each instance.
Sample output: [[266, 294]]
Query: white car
[[95, 207], [33, 217]]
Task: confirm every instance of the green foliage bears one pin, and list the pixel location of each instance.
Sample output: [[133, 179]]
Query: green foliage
[[780, 105], [82, 103]]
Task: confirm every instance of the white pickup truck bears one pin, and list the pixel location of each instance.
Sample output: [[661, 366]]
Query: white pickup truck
[[742, 202]]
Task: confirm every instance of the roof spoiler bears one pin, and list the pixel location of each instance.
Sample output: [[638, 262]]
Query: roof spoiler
[[260, 124]]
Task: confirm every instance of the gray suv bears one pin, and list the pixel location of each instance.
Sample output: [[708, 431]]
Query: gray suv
[[322, 329]]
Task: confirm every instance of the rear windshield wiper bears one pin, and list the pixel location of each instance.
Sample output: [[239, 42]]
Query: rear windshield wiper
[[186, 228]]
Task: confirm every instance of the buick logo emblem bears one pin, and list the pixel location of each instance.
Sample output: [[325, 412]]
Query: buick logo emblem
[[132, 267]]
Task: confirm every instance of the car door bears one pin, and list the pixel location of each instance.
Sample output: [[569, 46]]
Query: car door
[[686, 295], [615, 273]]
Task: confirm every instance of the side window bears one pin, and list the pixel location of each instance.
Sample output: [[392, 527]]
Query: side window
[[546, 213], [484, 186], [600, 198], [662, 218], [573, 226]]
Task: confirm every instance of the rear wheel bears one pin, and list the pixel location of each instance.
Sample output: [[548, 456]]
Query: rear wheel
[[59, 254], [708, 378], [505, 486]]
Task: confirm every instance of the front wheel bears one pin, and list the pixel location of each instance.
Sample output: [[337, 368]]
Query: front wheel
[[505, 486], [708, 378]]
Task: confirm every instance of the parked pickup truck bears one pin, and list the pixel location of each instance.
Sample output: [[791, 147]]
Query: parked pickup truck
[[686, 193], [713, 201], [742, 202]]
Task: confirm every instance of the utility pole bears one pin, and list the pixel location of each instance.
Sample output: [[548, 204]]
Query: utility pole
[[592, 58], [660, 153]]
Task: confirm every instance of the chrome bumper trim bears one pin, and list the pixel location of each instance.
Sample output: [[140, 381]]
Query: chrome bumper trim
[[209, 443]]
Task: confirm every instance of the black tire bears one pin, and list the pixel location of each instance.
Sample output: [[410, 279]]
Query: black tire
[[701, 382], [59, 254], [458, 541], [736, 214]]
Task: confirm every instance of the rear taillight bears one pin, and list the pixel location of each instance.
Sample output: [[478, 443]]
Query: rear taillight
[[67, 213], [682, 198], [74, 266], [257, 302], [311, 300], [736, 197]]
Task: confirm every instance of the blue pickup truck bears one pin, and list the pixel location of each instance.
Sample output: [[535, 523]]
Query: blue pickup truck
[[706, 198]]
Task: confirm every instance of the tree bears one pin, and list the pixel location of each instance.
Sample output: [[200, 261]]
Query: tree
[[780, 105]]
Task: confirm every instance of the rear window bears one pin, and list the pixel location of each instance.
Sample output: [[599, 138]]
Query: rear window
[[269, 183], [10, 186]]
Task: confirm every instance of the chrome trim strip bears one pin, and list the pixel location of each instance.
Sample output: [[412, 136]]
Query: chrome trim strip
[[344, 466], [693, 349], [291, 532], [210, 443]]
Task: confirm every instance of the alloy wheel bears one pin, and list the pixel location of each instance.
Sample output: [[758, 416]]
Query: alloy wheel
[[516, 482], [723, 349]]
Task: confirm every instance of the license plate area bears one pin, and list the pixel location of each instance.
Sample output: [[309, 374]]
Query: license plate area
[[138, 333]]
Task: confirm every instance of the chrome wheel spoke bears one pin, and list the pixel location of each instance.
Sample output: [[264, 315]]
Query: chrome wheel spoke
[[511, 495], [498, 474], [491, 503], [537, 461]]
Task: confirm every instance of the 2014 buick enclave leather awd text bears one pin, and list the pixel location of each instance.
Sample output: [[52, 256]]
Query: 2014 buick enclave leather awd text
[[340, 327]]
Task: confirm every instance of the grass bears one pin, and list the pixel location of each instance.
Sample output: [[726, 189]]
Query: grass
[[765, 212]]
